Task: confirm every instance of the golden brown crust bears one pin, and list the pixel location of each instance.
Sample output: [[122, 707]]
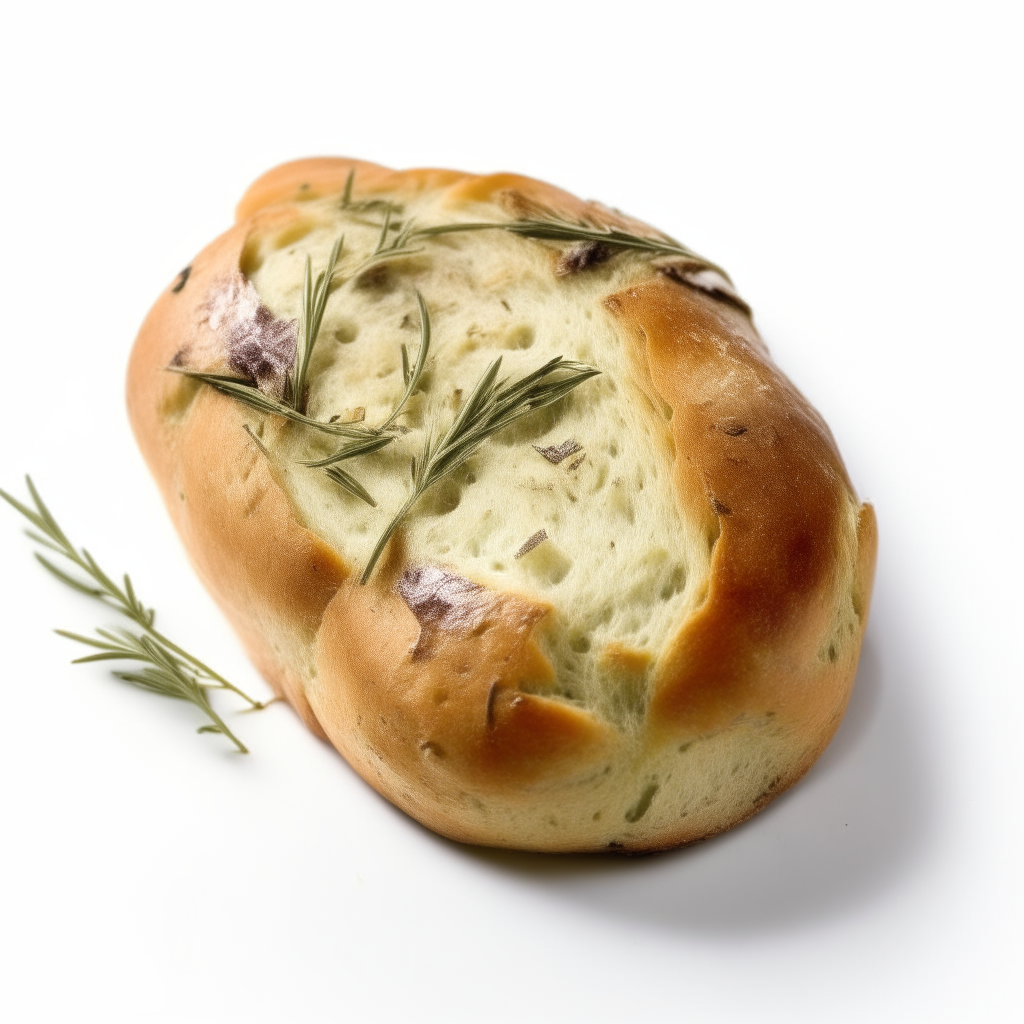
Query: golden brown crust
[[437, 718], [775, 495]]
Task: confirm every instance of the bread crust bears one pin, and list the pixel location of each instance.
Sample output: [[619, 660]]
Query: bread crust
[[433, 709]]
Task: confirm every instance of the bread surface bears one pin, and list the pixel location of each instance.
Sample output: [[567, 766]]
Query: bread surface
[[628, 622]]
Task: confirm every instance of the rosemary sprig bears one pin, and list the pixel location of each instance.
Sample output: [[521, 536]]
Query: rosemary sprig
[[548, 227], [412, 376], [385, 250], [314, 303], [170, 670], [373, 439], [163, 674], [491, 407], [557, 229]]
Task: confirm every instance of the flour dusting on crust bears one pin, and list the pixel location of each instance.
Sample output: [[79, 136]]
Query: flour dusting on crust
[[260, 346]]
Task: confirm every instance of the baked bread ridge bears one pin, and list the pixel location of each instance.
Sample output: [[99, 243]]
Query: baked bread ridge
[[444, 682]]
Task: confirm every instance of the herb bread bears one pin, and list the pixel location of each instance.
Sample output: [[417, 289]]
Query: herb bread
[[628, 620]]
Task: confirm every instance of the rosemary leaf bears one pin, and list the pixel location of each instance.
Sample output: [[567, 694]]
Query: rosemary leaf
[[350, 484], [314, 304], [382, 242], [246, 392], [491, 407], [412, 379], [170, 670], [364, 446], [82, 588]]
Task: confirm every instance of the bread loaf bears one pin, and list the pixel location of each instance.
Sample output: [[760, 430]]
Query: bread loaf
[[627, 622]]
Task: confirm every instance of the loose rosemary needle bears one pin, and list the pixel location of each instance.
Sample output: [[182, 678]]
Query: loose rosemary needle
[[167, 668], [491, 407]]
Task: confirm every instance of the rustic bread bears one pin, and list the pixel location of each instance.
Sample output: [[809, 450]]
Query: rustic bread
[[628, 622]]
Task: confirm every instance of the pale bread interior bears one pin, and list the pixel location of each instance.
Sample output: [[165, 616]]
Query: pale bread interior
[[618, 564]]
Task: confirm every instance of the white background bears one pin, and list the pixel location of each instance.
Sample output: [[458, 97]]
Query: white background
[[858, 170]]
